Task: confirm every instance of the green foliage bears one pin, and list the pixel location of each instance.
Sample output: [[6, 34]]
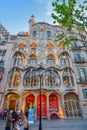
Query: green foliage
[[67, 12]]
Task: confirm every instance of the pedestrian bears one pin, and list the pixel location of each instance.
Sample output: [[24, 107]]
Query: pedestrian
[[0, 114], [26, 112], [15, 117], [26, 124], [21, 123], [8, 121], [5, 114]]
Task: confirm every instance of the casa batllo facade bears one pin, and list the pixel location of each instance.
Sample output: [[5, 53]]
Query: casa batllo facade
[[64, 90]]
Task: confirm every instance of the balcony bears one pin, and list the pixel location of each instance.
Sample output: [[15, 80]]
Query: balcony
[[82, 80], [80, 60], [76, 47], [47, 86]]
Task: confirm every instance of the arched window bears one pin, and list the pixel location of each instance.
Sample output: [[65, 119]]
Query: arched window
[[34, 33], [30, 78], [32, 59], [14, 77], [50, 59], [64, 60], [52, 78], [48, 33], [68, 79], [82, 73], [18, 59]]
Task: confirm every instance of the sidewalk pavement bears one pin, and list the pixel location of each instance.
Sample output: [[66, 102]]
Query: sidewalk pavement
[[60, 124], [66, 124]]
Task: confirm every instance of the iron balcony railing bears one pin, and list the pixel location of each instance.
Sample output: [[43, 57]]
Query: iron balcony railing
[[80, 60], [82, 80], [75, 47]]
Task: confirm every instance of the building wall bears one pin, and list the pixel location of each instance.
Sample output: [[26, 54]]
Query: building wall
[[63, 78], [8, 47]]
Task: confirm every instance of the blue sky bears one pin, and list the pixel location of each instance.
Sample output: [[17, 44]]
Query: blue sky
[[14, 14]]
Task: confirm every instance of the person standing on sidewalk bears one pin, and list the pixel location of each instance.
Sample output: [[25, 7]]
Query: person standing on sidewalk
[[0, 114], [8, 121]]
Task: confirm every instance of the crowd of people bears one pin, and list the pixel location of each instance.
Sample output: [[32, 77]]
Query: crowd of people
[[15, 120]]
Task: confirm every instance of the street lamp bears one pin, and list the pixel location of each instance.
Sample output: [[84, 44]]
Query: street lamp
[[40, 74]]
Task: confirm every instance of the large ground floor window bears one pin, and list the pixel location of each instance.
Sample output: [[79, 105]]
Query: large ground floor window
[[72, 105]]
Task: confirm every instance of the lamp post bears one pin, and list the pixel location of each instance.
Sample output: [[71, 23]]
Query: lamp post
[[40, 74]]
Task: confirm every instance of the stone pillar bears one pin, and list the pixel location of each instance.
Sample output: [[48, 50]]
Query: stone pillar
[[35, 105], [61, 80], [1, 101], [48, 114], [63, 106], [20, 102]]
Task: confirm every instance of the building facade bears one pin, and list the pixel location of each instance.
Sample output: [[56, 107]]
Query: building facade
[[64, 81], [6, 49]]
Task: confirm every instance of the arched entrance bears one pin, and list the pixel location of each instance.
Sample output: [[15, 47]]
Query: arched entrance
[[11, 101], [72, 106], [44, 106], [53, 106], [30, 101]]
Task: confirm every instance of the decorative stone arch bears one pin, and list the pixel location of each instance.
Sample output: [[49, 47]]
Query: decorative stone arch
[[72, 105], [29, 68], [75, 95], [58, 93], [18, 52], [64, 52], [25, 93], [11, 101]]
